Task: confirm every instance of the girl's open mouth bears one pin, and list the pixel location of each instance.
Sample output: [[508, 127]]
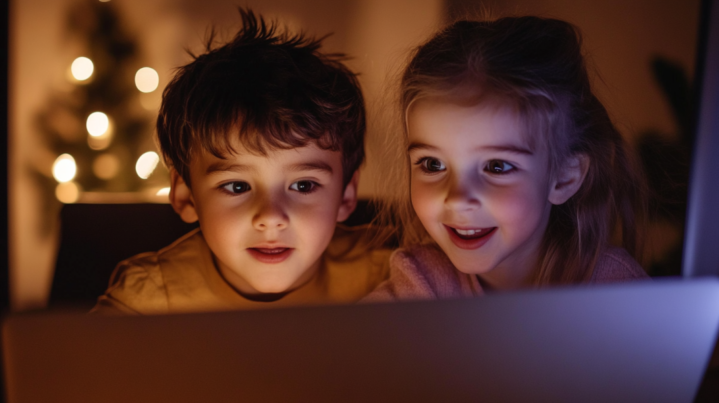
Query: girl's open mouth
[[270, 255], [470, 238]]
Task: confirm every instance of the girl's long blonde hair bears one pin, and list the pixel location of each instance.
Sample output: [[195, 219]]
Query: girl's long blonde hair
[[536, 66]]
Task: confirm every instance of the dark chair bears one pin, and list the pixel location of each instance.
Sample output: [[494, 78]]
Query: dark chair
[[94, 238]]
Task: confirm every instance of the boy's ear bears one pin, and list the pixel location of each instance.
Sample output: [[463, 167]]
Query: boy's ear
[[569, 178], [349, 198], [181, 198]]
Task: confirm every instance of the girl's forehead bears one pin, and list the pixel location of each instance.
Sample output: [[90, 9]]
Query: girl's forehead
[[438, 118], [430, 117]]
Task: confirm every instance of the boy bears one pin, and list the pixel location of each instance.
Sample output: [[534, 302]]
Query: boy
[[263, 137]]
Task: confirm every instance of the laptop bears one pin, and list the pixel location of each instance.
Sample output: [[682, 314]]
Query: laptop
[[641, 341]]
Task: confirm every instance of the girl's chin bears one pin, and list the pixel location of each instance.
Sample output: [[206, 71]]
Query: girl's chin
[[469, 266]]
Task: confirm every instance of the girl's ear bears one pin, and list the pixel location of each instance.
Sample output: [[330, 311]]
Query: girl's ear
[[569, 178], [181, 198], [349, 198]]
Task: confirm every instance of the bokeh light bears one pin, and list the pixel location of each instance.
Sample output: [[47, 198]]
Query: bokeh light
[[163, 192], [106, 166], [82, 68], [146, 164], [67, 192], [151, 101], [147, 79], [97, 124], [64, 168], [99, 143]]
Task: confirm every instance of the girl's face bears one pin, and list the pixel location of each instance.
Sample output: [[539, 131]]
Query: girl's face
[[479, 189]]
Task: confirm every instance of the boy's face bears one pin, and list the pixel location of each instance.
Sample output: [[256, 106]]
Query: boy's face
[[267, 219]]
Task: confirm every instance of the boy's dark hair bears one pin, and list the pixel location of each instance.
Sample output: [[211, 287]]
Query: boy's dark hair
[[271, 89]]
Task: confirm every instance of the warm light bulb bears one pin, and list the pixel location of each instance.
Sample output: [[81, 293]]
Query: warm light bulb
[[64, 168], [97, 124], [106, 166], [146, 79], [82, 68], [163, 192], [146, 164], [151, 101], [67, 192]]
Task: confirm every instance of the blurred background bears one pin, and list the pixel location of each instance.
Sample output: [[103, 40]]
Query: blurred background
[[86, 78]]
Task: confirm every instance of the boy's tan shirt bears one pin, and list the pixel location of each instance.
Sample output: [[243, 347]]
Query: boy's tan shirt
[[183, 278]]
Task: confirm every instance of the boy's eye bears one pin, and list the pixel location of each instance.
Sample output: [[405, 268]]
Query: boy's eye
[[499, 167], [237, 187], [432, 165], [303, 186]]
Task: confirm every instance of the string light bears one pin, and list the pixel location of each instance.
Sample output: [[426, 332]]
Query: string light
[[97, 124], [67, 192], [146, 164], [147, 79], [82, 68], [151, 101], [106, 166], [64, 168], [99, 143]]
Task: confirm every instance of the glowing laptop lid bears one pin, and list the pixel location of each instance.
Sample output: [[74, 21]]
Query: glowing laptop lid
[[644, 341]]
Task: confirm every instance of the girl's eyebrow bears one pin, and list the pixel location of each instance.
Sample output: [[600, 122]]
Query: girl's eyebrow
[[420, 146], [510, 148]]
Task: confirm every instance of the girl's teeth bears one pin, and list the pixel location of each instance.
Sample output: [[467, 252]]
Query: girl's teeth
[[468, 232]]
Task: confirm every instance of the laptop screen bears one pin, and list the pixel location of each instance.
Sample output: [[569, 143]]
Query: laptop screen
[[701, 254]]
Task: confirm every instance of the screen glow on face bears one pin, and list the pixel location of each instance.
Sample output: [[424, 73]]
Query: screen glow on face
[[268, 218], [478, 188]]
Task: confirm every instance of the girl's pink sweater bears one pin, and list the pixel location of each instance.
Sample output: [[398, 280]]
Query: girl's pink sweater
[[425, 272]]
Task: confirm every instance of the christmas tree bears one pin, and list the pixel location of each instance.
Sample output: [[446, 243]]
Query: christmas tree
[[99, 131]]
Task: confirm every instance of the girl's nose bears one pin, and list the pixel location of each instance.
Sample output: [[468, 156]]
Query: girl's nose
[[462, 193]]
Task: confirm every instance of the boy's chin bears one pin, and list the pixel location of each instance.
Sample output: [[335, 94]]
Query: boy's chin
[[269, 290], [266, 293]]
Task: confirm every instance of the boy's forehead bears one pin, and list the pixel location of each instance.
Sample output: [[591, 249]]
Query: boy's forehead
[[310, 156]]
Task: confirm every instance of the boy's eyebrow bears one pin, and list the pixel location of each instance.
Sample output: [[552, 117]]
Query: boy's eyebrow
[[311, 166], [222, 166]]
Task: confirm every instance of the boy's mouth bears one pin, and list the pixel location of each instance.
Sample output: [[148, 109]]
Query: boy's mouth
[[470, 238], [270, 255]]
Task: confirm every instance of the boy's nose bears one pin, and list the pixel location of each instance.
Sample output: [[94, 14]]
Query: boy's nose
[[270, 216]]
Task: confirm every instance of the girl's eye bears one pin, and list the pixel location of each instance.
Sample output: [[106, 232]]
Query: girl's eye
[[499, 167], [237, 187], [304, 186], [431, 165]]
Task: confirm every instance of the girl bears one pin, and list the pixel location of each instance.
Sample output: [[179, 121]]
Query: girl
[[517, 176]]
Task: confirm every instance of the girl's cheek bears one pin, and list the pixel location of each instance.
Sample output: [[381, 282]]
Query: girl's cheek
[[424, 199], [517, 205]]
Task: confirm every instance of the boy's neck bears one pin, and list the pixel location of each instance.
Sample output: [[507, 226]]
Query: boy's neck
[[243, 288]]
